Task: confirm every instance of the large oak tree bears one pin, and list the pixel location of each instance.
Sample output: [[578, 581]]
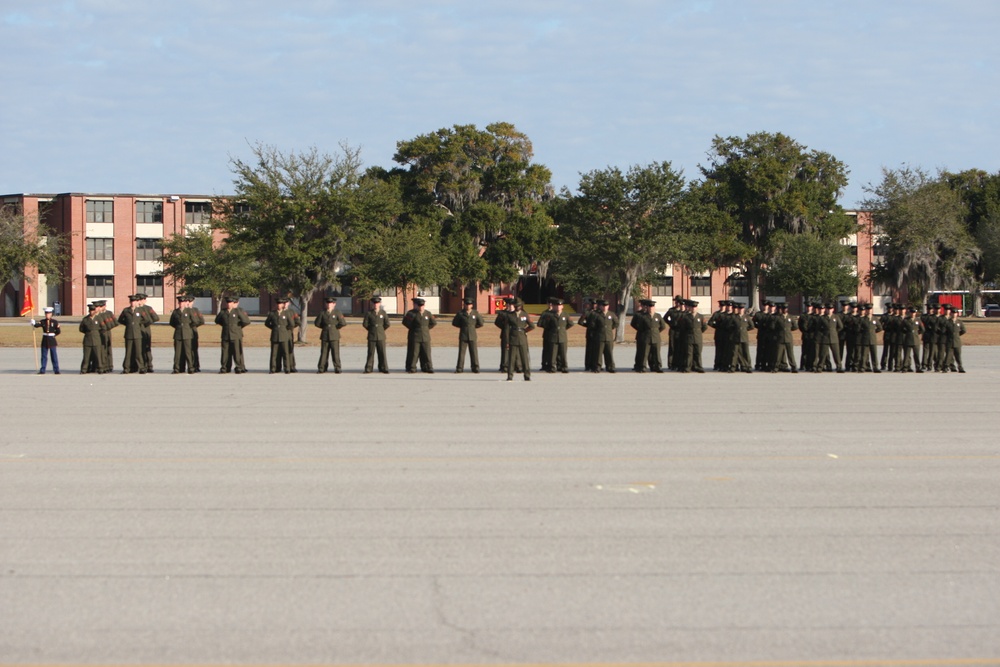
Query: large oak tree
[[770, 183]]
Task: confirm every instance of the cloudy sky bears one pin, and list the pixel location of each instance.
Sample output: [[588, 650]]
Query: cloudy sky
[[156, 96]]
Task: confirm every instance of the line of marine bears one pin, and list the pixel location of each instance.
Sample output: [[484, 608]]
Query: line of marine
[[832, 340]]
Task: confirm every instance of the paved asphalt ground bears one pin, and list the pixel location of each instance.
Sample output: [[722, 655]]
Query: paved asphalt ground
[[706, 519]]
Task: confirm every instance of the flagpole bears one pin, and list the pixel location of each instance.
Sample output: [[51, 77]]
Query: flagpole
[[26, 309], [34, 346]]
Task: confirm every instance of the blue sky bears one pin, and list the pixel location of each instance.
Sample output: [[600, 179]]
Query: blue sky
[[155, 96]]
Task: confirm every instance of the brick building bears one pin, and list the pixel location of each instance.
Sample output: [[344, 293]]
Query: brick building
[[115, 250]]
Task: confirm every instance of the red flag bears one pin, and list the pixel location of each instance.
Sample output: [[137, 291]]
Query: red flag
[[29, 304]]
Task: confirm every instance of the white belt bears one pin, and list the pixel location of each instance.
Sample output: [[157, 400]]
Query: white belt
[[48, 334]]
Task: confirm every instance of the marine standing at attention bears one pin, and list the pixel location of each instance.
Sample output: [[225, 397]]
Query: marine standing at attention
[[467, 321], [50, 329], [375, 323], [518, 325], [554, 323], [280, 324], [330, 322], [180, 320], [419, 322], [232, 319]]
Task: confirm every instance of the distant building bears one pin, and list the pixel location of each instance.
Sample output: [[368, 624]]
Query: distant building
[[115, 247]]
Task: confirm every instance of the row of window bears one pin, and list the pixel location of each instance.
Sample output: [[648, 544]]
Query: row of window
[[148, 212], [700, 286], [146, 250], [103, 287]]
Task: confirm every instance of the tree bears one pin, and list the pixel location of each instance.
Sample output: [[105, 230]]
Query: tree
[[402, 246], [619, 230], [809, 264], [769, 183], [297, 214], [921, 221], [980, 193], [402, 256], [197, 263], [26, 242], [492, 194]]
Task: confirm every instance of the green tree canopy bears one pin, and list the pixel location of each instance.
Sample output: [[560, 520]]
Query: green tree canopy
[[195, 262], [769, 183], [22, 245], [980, 193], [298, 215], [493, 196], [810, 264], [619, 230], [402, 247], [921, 221]]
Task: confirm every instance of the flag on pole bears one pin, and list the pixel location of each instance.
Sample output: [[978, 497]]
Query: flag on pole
[[29, 304]]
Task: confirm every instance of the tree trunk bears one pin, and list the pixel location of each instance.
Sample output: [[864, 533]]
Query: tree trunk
[[303, 315], [402, 290], [753, 287], [623, 298]]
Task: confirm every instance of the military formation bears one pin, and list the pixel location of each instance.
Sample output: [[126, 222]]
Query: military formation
[[833, 339]]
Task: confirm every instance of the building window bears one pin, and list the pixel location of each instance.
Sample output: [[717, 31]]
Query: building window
[[149, 285], [148, 250], [663, 286], [100, 249], [100, 211], [100, 287], [738, 286], [879, 250], [339, 287], [197, 212], [149, 212], [433, 290], [701, 286]]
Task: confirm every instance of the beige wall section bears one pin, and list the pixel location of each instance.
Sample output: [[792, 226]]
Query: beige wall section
[[390, 304], [100, 230], [431, 303], [156, 303], [147, 268], [44, 297], [100, 267], [144, 230]]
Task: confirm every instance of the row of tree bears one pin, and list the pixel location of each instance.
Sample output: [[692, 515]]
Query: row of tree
[[466, 206]]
